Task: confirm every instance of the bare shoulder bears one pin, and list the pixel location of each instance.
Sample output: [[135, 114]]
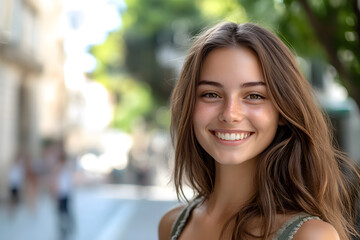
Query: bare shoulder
[[316, 230], [167, 221]]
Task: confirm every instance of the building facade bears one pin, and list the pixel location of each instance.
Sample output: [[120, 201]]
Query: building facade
[[32, 91]]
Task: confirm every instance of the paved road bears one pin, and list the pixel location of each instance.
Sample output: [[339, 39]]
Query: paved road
[[101, 213]]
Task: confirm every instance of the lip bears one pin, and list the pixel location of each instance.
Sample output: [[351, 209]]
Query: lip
[[229, 131], [230, 142]]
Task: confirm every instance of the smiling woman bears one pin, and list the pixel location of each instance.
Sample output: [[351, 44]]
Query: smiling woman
[[253, 145], [241, 118]]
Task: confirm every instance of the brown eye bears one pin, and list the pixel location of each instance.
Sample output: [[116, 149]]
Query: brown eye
[[254, 97]]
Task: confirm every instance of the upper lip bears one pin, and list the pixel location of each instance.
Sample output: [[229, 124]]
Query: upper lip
[[229, 131]]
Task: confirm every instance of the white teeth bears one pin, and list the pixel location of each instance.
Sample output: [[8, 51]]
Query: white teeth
[[227, 136], [232, 136]]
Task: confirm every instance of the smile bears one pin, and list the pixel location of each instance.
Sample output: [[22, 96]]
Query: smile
[[232, 136]]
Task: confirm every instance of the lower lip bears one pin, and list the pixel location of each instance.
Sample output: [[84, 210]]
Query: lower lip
[[230, 142]]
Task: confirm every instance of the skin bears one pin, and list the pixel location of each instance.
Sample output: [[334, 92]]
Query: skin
[[232, 98]]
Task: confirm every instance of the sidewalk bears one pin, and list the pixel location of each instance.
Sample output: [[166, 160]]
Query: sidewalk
[[121, 212], [24, 222]]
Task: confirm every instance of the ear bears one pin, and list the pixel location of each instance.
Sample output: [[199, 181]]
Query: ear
[[282, 121]]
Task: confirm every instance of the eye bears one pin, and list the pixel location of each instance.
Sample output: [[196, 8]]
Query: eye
[[210, 95], [254, 96]]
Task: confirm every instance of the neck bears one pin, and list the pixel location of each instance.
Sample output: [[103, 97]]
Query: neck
[[234, 187]]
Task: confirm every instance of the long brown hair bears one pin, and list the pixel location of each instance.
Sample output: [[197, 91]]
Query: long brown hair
[[301, 169]]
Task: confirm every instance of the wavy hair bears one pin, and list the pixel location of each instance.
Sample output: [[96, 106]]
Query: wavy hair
[[301, 170]]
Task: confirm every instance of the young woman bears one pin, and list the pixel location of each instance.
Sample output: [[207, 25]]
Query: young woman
[[253, 145]]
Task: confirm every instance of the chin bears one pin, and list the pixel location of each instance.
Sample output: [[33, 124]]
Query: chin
[[230, 161], [233, 160]]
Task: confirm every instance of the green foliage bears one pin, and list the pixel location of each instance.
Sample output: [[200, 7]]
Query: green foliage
[[294, 30], [324, 29], [150, 26], [222, 10], [329, 29], [264, 12], [109, 56], [149, 17], [133, 101]]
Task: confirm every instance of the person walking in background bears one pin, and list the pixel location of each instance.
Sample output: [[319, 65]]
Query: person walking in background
[[16, 178], [62, 189], [254, 146]]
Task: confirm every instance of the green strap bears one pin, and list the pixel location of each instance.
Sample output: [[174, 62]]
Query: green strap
[[182, 219], [288, 230]]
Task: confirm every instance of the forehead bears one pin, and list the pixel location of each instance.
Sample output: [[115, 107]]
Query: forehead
[[231, 63]]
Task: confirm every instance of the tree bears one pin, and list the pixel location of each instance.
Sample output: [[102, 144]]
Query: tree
[[148, 26], [151, 25], [133, 52], [333, 26], [326, 29]]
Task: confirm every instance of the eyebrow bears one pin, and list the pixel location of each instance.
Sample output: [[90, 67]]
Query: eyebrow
[[246, 84]]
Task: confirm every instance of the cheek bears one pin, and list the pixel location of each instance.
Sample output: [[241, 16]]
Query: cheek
[[203, 114], [198, 119], [265, 118]]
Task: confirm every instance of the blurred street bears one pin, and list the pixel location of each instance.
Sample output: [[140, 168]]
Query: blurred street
[[103, 212], [84, 104]]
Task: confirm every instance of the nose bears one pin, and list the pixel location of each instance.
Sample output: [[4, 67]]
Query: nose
[[232, 111]]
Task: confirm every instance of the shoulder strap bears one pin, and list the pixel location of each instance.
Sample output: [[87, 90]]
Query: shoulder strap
[[288, 230], [182, 219]]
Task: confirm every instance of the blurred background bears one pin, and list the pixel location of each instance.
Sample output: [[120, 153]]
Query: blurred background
[[85, 151]]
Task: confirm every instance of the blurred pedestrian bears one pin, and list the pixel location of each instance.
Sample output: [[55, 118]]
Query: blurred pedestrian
[[62, 192], [16, 178], [32, 175], [254, 146]]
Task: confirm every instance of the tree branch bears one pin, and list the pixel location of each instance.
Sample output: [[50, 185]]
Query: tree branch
[[324, 38]]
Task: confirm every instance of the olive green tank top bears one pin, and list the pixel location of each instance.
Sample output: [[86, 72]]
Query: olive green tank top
[[286, 232]]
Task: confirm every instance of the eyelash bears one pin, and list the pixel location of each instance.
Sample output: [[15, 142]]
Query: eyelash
[[207, 95], [258, 96]]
